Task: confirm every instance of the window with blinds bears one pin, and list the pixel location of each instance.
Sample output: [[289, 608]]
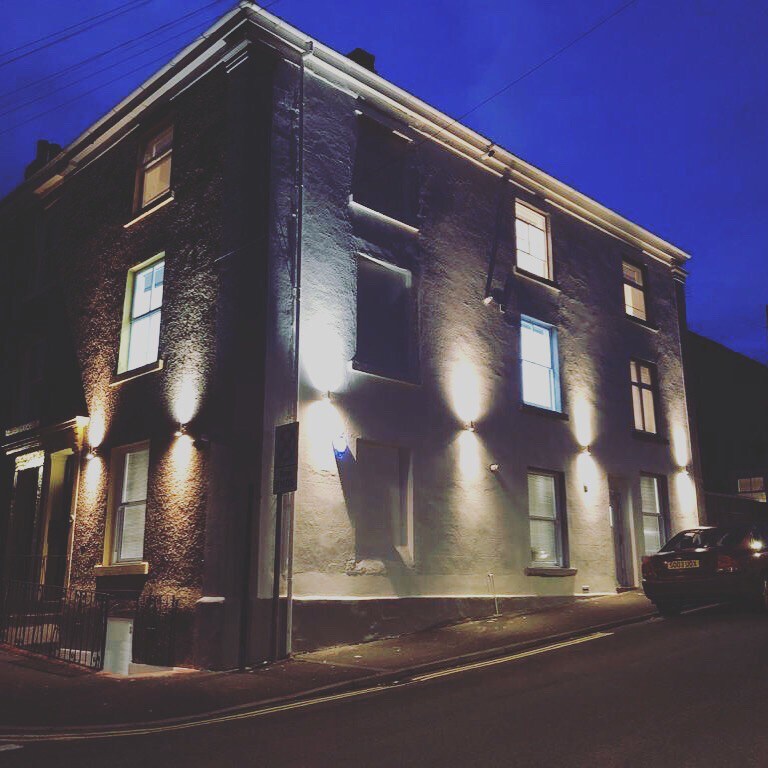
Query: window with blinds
[[545, 520], [540, 370], [532, 241], [634, 291], [643, 396], [651, 502], [155, 170], [131, 504]]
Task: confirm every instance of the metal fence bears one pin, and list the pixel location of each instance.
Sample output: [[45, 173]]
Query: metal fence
[[154, 630], [68, 624]]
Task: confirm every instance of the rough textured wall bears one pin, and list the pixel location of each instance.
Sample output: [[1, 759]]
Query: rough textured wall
[[469, 521], [93, 252]]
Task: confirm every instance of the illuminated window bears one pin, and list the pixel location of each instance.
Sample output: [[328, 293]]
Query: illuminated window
[[383, 177], [155, 169], [141, 315], [752, 488], [130, 471], [652, 505], [532, 241], [545, 515], [541, 376], [383, 319], [643, 396], [634, 291]]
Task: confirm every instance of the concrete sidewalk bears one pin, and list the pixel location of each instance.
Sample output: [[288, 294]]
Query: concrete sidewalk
[[41, 695]]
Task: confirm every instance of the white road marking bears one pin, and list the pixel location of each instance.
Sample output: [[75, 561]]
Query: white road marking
[[250, 714]]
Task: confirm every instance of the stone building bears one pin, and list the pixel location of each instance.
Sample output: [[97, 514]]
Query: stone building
[[485, 364]]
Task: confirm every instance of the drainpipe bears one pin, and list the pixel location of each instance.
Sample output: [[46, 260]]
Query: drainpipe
[[299, 218]]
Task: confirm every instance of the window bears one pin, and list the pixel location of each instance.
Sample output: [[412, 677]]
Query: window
[[385, 515], [383, 319], [155, 169], [532, 241], [541, 375], [545, 517], [752, 488], [634, 291], [643, 396], [141, 322], [131, 469], [383, 178], [651, 503]]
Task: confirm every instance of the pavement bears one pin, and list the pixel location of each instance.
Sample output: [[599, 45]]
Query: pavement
[[44, 697]]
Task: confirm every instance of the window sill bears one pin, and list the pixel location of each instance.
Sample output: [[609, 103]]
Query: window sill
[[359, 367], [122, 569], [550, 572], [551, 284], [135, 373], [364, 210], [651, 437], [642, 323], [526, 408], [155, 205]]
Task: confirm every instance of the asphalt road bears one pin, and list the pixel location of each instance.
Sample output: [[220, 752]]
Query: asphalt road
[[691, 691]]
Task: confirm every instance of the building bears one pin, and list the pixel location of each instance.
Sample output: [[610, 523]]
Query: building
[[729, 397], [485, 364]]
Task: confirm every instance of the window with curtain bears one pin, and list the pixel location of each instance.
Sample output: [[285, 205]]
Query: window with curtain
[[132, 470], [532, 241], [643, 396], [540, 370], [155, 170], [545, 520], [145, 286], [634, 291], [651, 502]]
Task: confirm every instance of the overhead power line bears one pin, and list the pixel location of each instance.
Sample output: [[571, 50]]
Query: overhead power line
[[95, 57], [73, 31]]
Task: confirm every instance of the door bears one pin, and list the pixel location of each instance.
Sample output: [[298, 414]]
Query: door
[[22, 565], [59, 499], [620, 535]]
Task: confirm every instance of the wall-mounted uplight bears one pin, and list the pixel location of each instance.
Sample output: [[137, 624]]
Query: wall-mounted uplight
[[493, 467], [91, 455], [488, 300], [181, 431], [470, 426]]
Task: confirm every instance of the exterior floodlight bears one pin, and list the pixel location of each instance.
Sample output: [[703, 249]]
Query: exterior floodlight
[[494, 467]]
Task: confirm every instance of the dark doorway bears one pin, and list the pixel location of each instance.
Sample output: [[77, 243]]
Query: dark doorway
[[21, 535], [58, 518], [620, 538]]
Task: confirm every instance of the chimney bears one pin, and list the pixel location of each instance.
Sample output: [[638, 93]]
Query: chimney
[[46, 151], [363, 58]]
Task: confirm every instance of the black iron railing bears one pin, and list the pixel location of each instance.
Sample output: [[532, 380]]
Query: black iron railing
[[154, 630], [68, 624]]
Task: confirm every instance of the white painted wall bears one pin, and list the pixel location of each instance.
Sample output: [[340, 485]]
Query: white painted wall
[[468, 521]]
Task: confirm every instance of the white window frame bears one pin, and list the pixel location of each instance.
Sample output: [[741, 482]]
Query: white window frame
[[147, 164], [129, 320], [638, 388], [554, 367], [561, 555], [659, 514], [117, 505], [527, 217], [630, 285]]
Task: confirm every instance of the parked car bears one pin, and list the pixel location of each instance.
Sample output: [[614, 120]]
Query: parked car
[[709, 564]]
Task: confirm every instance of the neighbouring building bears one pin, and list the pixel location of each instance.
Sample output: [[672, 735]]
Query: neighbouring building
[[728, 392], [485, 364]]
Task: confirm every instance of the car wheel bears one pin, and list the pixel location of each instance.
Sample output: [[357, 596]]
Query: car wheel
[[669, 609]]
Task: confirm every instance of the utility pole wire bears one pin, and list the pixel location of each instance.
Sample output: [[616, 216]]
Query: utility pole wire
[[102, 19]]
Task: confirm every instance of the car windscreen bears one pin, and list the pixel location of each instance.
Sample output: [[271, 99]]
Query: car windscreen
[[705, 538]]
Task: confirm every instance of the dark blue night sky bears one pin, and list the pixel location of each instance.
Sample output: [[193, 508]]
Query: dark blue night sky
[[661, 114]]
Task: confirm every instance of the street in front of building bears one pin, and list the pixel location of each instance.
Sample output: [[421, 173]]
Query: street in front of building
[[687, 692]]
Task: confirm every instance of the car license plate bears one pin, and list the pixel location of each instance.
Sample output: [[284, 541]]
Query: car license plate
[[681, 565]]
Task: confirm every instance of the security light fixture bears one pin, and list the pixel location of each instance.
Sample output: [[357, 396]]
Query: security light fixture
[[494, 467]]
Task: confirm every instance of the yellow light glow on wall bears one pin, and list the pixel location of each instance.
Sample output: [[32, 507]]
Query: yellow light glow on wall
[[186, 396], [322, 355], [469, 455], [465, 392], [680, 448], [323, 431], [583, 421], [586, 469], [182, 450], [97, 428], [686, 494]]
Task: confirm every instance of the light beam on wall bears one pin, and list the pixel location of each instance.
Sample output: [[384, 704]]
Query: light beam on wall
[[186, 396], [322, 355], [582, 421], [469, 455], [680, 449], [325, 435], [465, 392]]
